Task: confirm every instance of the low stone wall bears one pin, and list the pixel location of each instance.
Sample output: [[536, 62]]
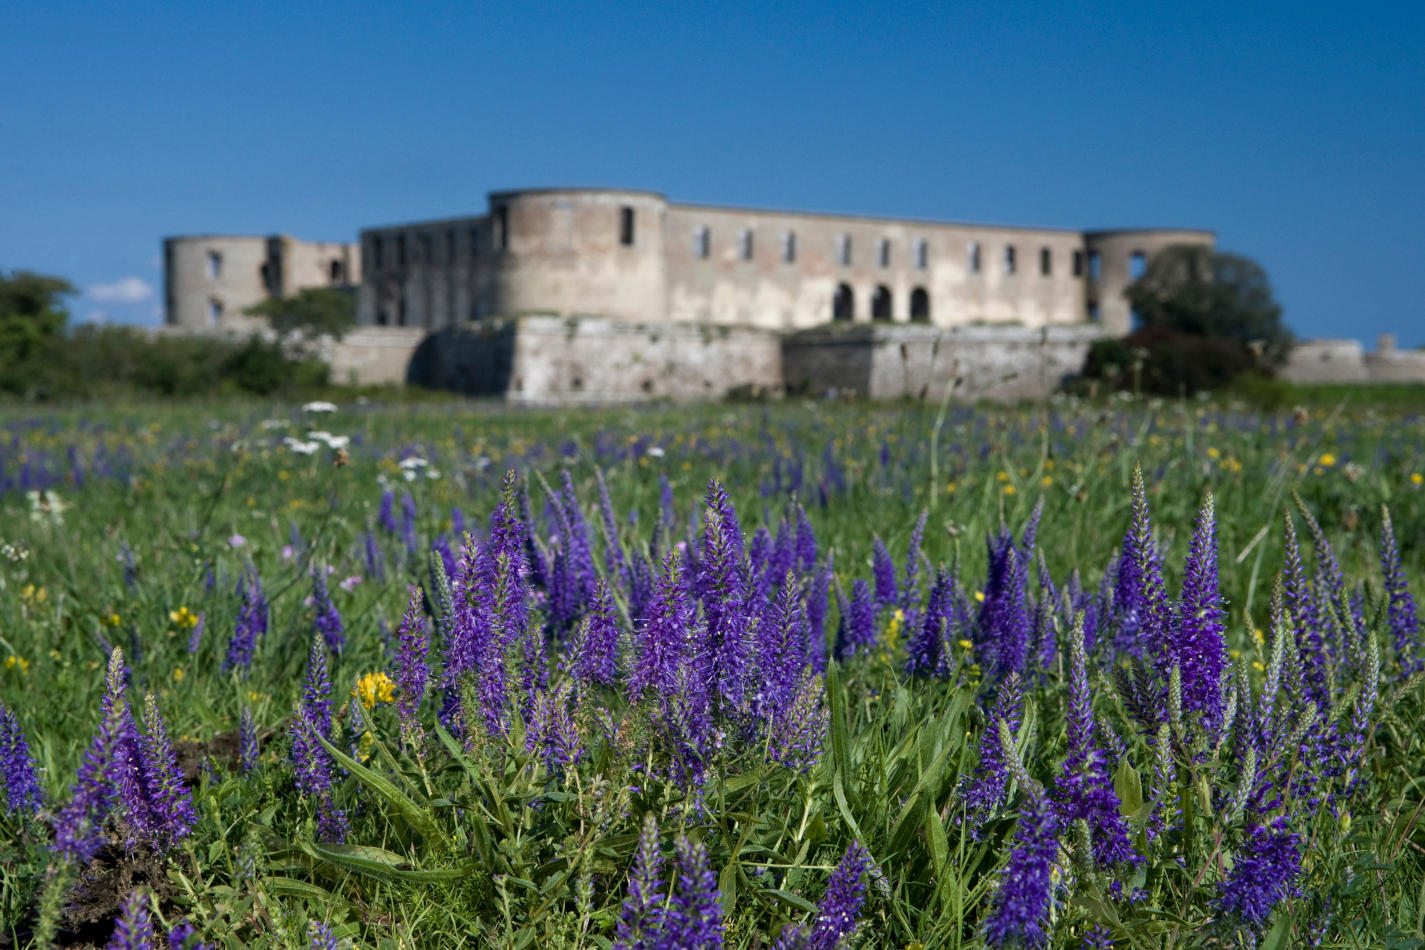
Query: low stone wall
[[1347, 361], [545, 359], [1003, 363], [372, 356]]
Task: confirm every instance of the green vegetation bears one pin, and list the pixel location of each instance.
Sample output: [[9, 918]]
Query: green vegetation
[[147, 529]]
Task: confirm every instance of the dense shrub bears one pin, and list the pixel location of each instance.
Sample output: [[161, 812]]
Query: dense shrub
[[1168, 363]]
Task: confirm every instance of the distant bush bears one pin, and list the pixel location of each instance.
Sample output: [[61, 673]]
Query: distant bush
[[105, 362], [1166, 362]]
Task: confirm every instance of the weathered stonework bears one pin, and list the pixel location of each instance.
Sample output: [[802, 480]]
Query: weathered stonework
[[1347, 361]]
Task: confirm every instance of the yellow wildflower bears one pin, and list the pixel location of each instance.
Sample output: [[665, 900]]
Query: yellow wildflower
[[111, 619], [1416, 478], [1009, 489], [183, 618], [373, 688], [1214, 452], [1047, 480], [950, 488], [1257, 665], [1327, 459], [1002, 476], [966, 644], [980, 596], [13, 662], [178, 674]]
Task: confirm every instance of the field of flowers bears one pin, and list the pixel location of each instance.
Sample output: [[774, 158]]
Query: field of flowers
[[800, 676]]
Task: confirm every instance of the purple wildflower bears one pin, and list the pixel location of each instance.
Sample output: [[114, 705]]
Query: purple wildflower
[[641, 919], [1404, 621], [132, 929], [910, 593], [926, 652], [816, 616], [23, 793], [79, 826], [375, 561], [596, 647], [171, 817], [1085, 790], [195, 639], [840, 908], [326, 620], [411, 669], [317, 689], [806, 542], [694, 920], [385, 517], [1264, 874], [798, 731], [1021, 911], [551, 731], [247, 743], [884, 571], [1197, 647], [1004, 625], [781, 650], [858, 623], [184, 936], [984, 791], [1140, 605], [614, 563], [250, 627], [661, 642], [309, 759], [722, 585], [320, 936]]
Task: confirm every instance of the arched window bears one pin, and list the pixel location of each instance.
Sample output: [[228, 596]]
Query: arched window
[[919, 306], [881, 303], [843, 305], [1137, 264], [337, 272]]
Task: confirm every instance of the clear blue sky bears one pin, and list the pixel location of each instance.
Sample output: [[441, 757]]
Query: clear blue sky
[[1295, 130]]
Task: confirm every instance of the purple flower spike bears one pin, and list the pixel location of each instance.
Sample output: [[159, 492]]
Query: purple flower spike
[[1264, 874], [170, 804], [412, 672], [320, 936], [661, 643], [641, 919], [840, 909], [133, 930], [79, 826], [1402, 617], [250, 627], [798, 732], [926, 652], [596, 648], [326, 621], [694, 920], [984, 792], [317, 690], [722, 584], [1140, 605], [858, 623], [1021, 911], [884, 571], [23, 794], [910, 593], [1197, 646], [552, 733]]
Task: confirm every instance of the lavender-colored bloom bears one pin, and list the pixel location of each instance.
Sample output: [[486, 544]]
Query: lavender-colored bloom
[[1401, 614], [23, 794], [79, 826], [1140, 605], [375, 561], [247, 743], [457, 521], [385, 516], [858, 623], [614, 562], [1021, 912], [250, 627], [412, 671], [170, 812], [1264, 874], [984, 791], [133, 930], [798, 731], [660, 644], [641, 919], [910, 593], [1004, 625], [781, 650], [195, 639], [320, 936], [442, 550], [183, 937], [694, 920], [317, 689], [722, 586], [551, 732], [1085, 789], [596, 647], [884, 570], [1197, 647], [408, 522], [816, 616], [309, 758], [326, 621], [840, 908], [926, 652], [806, 542]]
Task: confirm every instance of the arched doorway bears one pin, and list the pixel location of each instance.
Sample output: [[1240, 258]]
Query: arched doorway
[[843, 305], [919, 306], [881, 303]]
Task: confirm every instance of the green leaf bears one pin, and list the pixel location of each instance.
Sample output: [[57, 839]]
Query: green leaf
[[416, 816], [1129, 787]]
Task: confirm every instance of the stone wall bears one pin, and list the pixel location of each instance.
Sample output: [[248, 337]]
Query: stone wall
[[372, 356], [1347, 361], [547, 359], [1001, 363]]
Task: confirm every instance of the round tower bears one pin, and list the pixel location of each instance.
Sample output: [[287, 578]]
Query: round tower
[[209, 280], [578, 251], [1116, 259]]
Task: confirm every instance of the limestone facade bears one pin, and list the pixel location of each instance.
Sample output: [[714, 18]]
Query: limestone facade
[[634, 255]]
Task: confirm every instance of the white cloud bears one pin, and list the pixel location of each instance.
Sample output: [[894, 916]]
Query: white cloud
[[123, 290], [96, 317]]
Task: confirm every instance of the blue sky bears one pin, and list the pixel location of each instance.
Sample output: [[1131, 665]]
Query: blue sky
[[1295, 130]]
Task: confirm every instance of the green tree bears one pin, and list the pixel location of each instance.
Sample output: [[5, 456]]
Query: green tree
[[32, 312], [1197, 291], [309, 314]]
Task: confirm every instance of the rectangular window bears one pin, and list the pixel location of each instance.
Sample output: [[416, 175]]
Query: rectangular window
[[745, 242], [974, 255], [1046, 262], [502, 228], [843, 250], [1009, 261], [1093, 313], [702, 242], [215, 311], [789, 247], [1078, 263], [215, 265], [625, 226], [922, 254], [1095, 265], [883, 252]]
